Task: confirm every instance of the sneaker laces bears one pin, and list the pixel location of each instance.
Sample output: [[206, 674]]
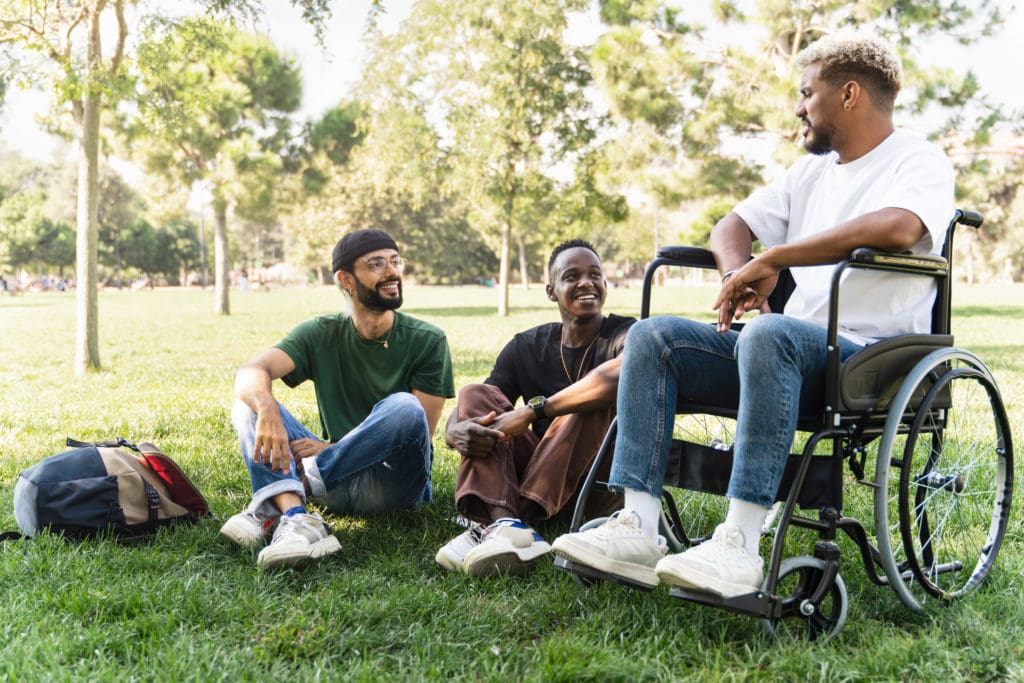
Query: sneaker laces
[[618, 519], [728, 540], [296, 523], [478, 532]]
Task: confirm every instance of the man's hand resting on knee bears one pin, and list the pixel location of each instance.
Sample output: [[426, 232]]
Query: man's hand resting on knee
[[473, 438]]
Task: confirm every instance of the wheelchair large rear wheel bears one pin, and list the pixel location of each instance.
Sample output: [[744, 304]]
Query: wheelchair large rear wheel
[[944, 479]]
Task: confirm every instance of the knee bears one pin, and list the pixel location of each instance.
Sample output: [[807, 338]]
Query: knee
[[646, 337], [473, 394], [764, 337], [407, 409], [479, 399]]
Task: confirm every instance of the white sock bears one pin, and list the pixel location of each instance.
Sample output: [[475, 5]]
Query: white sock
[[748, 518], [647, 508]]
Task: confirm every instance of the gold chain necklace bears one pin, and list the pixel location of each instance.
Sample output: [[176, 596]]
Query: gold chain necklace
[[579, 370], [384, 343]]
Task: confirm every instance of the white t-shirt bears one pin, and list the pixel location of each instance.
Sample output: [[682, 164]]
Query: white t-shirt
[[817, 193]]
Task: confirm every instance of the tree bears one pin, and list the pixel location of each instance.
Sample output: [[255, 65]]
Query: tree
[[81, 81], [214, 110], [87, 82], [506, 94]]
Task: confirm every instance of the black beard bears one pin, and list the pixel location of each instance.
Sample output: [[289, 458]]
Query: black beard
[[371, 298], [820, 143]]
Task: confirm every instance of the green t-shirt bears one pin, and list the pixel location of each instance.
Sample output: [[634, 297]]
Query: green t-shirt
[[352, 374]]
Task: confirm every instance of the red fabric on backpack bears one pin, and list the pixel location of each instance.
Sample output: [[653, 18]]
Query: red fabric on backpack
[[182, 490]]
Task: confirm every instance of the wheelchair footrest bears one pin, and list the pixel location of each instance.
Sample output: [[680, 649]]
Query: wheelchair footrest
[[590, 574], [755, 604]]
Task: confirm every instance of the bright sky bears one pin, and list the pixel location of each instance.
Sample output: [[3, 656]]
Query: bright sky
[[330, 72]]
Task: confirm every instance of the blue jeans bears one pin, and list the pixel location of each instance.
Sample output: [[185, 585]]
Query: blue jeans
[[383, 464], [773, 370]]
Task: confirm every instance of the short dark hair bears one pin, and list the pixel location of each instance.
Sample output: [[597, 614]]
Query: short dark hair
[[570, 244], [855, 57]]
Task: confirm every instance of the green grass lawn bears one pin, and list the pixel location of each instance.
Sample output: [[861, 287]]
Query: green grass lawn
[[187, 605]]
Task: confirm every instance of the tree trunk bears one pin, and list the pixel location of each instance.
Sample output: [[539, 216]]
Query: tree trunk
[[503, 269], [87, 346], [220, 256], [524, 274], [117, 257], [506, 237]]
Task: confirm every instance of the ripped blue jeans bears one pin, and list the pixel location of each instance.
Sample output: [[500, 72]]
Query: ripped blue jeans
[[382, 464]]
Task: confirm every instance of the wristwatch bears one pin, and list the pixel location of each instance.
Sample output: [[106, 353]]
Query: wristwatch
[[538, 403]]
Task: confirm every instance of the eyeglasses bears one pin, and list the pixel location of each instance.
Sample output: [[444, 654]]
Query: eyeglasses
[[380, 264]]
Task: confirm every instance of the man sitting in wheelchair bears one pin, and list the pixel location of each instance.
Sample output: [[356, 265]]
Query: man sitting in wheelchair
[[865, 184]]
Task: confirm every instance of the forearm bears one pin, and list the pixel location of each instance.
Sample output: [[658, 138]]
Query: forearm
[[253, 387], [731, 243], [595, 391], [887, 229], [449, 435]]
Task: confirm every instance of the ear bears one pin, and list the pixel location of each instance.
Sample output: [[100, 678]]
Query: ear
[[551, 292], [851, 94], [345, 280]]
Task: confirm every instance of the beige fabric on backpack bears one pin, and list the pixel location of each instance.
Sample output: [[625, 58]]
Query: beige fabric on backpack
[[133, 499]]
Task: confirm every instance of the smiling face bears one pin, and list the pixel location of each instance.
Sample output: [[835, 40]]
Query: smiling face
[[577, 283], [818, 108], [376, 291]]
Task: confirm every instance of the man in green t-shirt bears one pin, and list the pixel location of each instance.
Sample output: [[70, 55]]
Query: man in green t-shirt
[[381, 378]]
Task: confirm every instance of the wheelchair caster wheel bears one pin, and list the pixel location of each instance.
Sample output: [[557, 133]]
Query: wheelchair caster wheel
[[798, 579]]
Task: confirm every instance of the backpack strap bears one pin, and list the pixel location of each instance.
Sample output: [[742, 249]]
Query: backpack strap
[[154, 501], [113, 443]]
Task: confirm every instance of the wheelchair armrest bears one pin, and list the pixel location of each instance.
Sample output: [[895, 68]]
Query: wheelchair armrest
[[692, 257], [686, 257], [902, 262]]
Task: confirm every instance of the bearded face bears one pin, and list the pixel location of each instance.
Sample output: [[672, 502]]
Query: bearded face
[[386, 295]]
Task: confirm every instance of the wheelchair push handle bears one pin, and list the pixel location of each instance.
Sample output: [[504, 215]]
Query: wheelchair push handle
[[971, 219]]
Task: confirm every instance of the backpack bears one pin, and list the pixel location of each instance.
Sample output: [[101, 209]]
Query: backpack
[[101, 487]]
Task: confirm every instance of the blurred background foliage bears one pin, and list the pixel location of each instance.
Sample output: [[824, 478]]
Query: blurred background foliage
[[478, 135]]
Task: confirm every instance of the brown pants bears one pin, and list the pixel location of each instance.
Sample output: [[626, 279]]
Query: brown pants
[[535, 478]]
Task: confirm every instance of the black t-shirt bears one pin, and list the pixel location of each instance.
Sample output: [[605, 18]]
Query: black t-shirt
[[531, 364]]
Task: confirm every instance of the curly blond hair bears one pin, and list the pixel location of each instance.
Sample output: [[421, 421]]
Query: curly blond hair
[[851, 56]]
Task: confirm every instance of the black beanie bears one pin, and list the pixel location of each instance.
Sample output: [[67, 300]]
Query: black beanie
[[355, 244]]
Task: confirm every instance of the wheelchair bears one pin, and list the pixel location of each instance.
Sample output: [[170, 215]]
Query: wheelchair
[[921, 427]]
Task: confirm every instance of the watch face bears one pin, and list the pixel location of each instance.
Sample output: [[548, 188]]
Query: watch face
[[535, 402]]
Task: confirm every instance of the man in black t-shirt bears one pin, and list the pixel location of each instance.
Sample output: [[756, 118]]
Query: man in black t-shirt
[[567, 374]]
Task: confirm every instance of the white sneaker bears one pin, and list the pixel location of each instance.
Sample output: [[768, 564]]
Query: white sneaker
[[453, 553], [248, 529], [298, 539], [619, 546], [506, 546], [720, 565]]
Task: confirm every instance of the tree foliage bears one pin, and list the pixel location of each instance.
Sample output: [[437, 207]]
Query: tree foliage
[[506, 99], [214, 108], [30, 235], [696, 98]]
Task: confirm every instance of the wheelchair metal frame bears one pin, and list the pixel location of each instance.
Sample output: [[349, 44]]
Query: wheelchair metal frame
[[898, 388]]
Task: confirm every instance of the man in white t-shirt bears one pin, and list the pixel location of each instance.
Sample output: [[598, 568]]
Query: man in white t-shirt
[[865, 184]]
